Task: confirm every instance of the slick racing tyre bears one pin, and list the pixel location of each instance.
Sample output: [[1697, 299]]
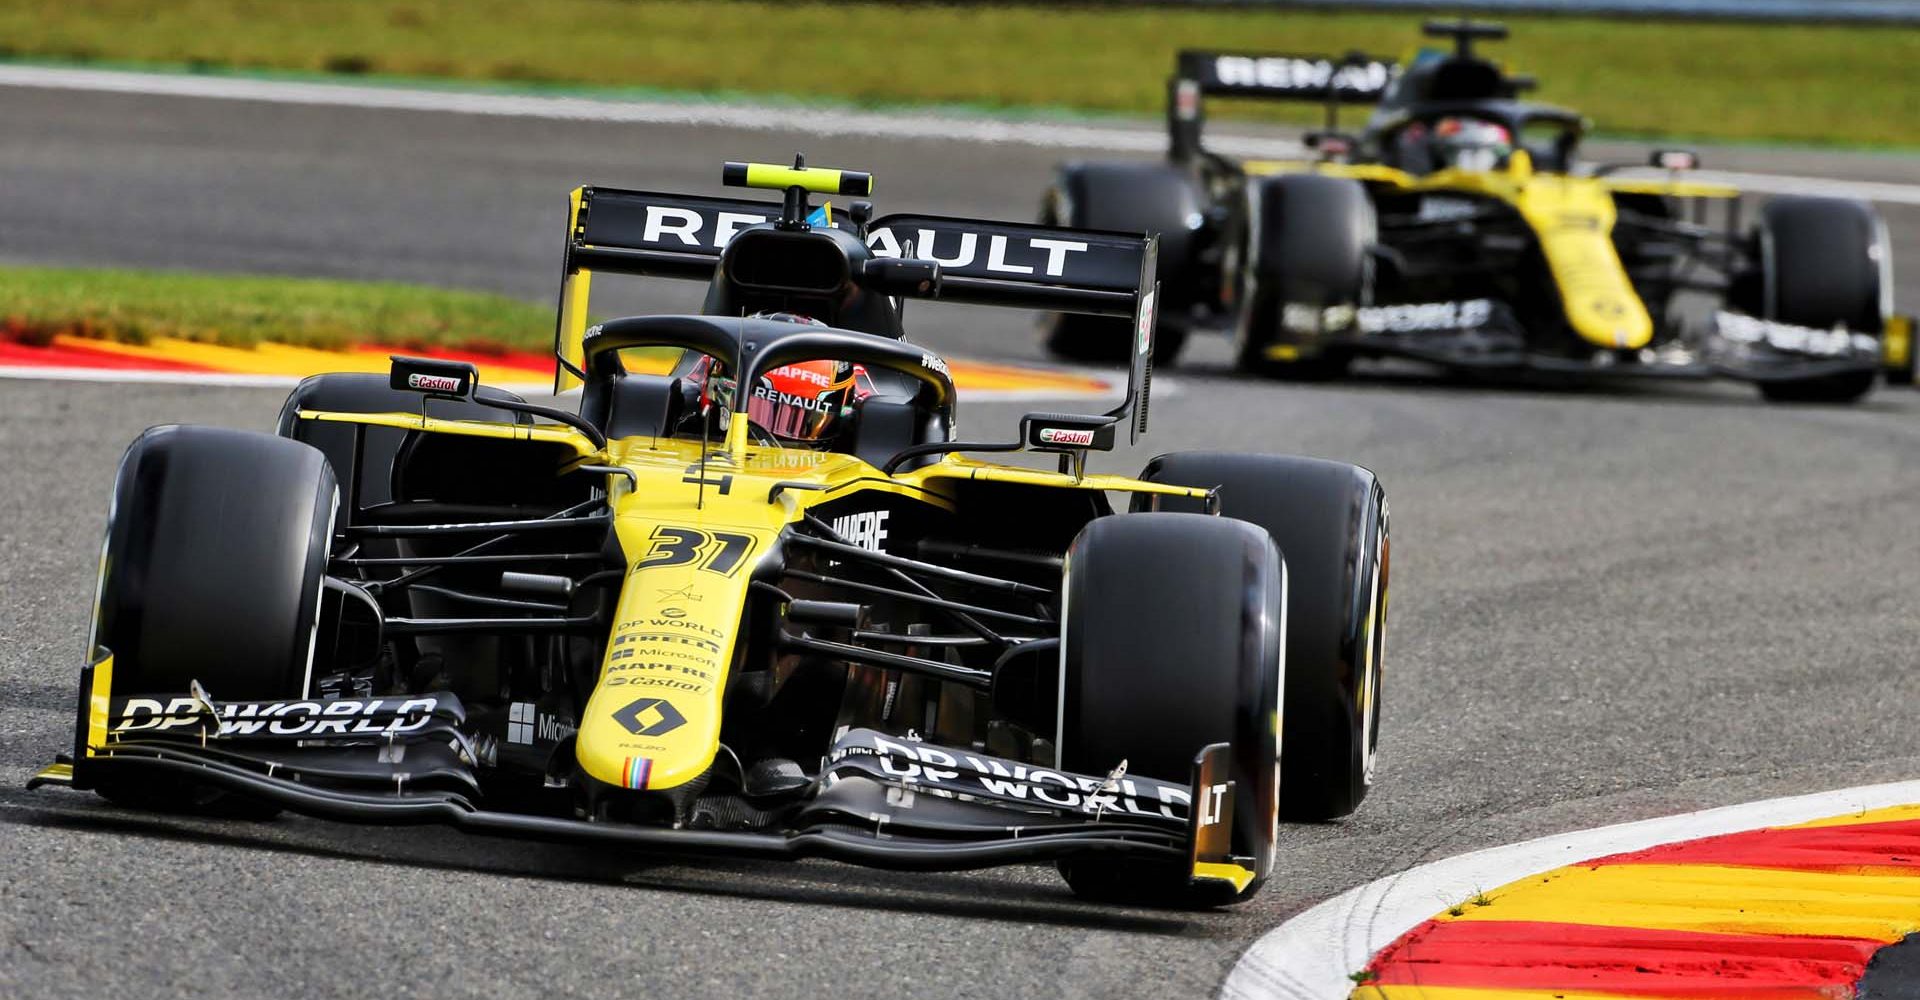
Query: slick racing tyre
[[1824, 262], [1171, 641], [1309, 245], [1105, 340], [1329, 520], [215, 555], [1132, 198]]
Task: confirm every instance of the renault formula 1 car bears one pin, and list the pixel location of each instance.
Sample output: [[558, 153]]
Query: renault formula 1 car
[[1458, 228], [758, 603]]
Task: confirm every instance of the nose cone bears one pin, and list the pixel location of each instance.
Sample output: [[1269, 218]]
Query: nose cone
[[1610, 319], [1574, 217]]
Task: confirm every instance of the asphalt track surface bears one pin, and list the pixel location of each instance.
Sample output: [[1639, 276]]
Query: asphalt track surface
[[1608, 604]]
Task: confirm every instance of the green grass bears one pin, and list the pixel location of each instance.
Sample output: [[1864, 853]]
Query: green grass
[[1806, 84], [36, 303]]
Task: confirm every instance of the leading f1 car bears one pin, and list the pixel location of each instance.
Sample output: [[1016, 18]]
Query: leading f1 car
[[1460, 228], [756, 597]]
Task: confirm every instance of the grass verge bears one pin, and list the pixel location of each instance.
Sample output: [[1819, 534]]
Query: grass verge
[[1757, 82], [38, 303]]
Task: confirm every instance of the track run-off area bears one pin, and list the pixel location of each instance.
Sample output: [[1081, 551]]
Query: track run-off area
[[1611, 604]]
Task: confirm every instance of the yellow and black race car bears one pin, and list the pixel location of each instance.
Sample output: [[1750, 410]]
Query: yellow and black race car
[[752, 597], [1459, 228]]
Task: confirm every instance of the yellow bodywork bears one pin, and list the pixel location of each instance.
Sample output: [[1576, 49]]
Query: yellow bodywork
[[1897, 343], [819, 180], [1237, 875], [653, 721], [99, 702], [1572, 217], [576, 287]]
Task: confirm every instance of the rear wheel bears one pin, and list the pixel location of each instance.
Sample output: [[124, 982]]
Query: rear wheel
[[1824, 263], [1158, 665], [1151, 198], [215, 555], [1105, 340], [1329, 520]]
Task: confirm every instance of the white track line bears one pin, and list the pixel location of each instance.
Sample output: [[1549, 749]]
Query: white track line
[[1311, 956], [1051, 134], [710, 114], [1881, 191]]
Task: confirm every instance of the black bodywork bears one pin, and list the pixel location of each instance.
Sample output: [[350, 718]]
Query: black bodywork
[[894, 696]]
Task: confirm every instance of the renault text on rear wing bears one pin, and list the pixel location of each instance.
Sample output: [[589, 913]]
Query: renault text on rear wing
[[987, 263], [1352, 79], [633, 232], [1355, 78]]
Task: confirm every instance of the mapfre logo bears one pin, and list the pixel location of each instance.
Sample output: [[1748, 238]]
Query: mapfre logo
[[433, 383], [868, 530]]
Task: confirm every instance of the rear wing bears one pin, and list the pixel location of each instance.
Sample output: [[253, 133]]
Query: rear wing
[[1355, 78], [1055, 269]]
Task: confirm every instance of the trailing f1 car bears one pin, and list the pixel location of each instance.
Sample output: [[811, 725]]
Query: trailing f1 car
[[761, 603], [1458, 228]]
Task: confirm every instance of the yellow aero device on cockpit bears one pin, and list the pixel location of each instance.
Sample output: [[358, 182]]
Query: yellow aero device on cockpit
[[819, 180]]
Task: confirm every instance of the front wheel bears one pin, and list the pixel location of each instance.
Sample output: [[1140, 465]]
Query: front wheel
[[215, 555], [1846, 387], [1171, 640], [1309, 249], [1825, 263]]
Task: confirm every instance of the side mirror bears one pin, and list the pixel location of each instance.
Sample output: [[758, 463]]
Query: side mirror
[[1330, 145], [1674, 159], [433, 377], [1068, 432], [919, 279]]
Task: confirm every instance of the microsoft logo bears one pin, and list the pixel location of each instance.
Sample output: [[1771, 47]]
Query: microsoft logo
[[520, 723]]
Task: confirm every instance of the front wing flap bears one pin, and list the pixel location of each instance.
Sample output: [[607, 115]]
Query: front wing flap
[[1488, 334], [878, 800]]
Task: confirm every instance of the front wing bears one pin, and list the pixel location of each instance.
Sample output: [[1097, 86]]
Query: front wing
[[877, 800], [1486, 334]]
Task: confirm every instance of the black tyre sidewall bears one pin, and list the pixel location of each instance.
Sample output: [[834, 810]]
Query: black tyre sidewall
[[1150, 198], [1329, 521], [1847, 387], [215, 556], [1817, 268], [1309, 242], [1105, 340], [1172, 641]]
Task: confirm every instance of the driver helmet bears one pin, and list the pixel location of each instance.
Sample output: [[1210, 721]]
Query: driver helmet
[[806, 403], [1470, 143]]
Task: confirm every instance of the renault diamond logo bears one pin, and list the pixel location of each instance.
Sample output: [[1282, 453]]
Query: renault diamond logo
[[650, 717]]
